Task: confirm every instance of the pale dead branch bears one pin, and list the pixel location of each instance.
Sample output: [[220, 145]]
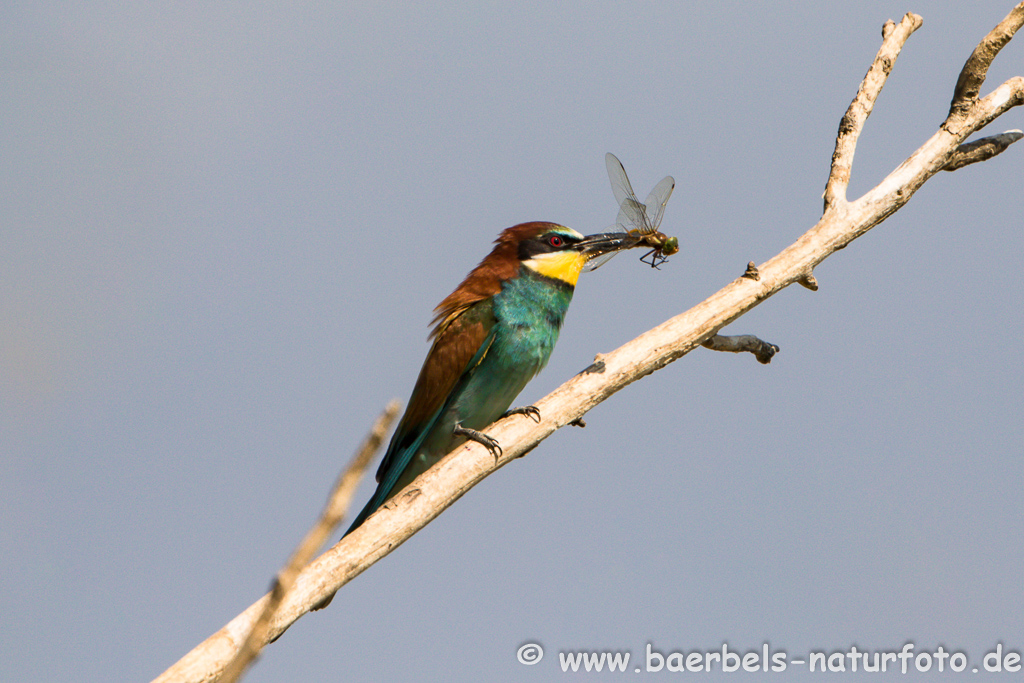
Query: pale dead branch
[[975, 70], [894, 36], [842, 222], [225, 655], [982, 149], [743, 343]]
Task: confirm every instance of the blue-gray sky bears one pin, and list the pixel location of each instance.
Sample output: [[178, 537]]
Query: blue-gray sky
[[223, 231]]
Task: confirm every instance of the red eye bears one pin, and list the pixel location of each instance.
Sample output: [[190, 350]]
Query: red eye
[[555, 241]]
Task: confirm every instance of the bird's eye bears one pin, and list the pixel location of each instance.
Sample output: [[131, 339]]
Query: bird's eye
[[555, 241]]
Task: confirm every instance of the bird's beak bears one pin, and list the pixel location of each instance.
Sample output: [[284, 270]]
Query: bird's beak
[[593, 246]]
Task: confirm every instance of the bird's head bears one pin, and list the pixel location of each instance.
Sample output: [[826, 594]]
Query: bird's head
[[560, 253], [549, 249]]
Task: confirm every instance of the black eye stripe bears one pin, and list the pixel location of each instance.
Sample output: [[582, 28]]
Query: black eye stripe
[[558, 239], [545, 243]]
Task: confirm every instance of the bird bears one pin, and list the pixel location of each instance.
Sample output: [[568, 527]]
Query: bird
[[491, 336]]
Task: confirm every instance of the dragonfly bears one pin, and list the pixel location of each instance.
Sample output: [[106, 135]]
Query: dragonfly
[[639, 219]]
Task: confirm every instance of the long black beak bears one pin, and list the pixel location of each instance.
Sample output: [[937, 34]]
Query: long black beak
[[593, 246]]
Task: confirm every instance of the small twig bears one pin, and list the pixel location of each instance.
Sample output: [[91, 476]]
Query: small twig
[[809, 281], [337, 505], [981, 150], [852, 123], [975, 70], [743, 343]]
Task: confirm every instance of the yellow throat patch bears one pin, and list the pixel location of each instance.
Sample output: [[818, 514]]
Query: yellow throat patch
[[560, 265]]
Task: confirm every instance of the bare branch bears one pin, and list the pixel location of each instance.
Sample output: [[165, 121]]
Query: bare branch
[[852, 123], [975, 70], [431, 493], [981, 150], [218, 648], [1008, 95], [744, 343], [441, 486]]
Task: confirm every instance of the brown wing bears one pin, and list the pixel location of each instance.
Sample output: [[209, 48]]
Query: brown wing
[[454, 351], [449, 358]]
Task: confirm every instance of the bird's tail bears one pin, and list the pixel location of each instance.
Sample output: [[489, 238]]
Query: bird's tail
[[367, 510]]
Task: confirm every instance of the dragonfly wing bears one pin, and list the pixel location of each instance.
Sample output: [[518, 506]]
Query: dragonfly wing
[[657, 200], [632, 216], [595, 263], [620, 181]]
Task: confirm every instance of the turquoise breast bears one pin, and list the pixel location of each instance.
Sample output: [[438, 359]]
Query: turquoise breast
[[528, 314]]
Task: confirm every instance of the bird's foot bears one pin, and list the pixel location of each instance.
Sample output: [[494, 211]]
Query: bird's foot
[[481, 438], [531, 412]]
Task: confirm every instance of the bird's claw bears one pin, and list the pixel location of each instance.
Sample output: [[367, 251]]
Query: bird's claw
[[473, 435], [531, 412]]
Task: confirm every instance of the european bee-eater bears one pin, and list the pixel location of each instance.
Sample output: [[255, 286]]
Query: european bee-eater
[[491, 336]]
